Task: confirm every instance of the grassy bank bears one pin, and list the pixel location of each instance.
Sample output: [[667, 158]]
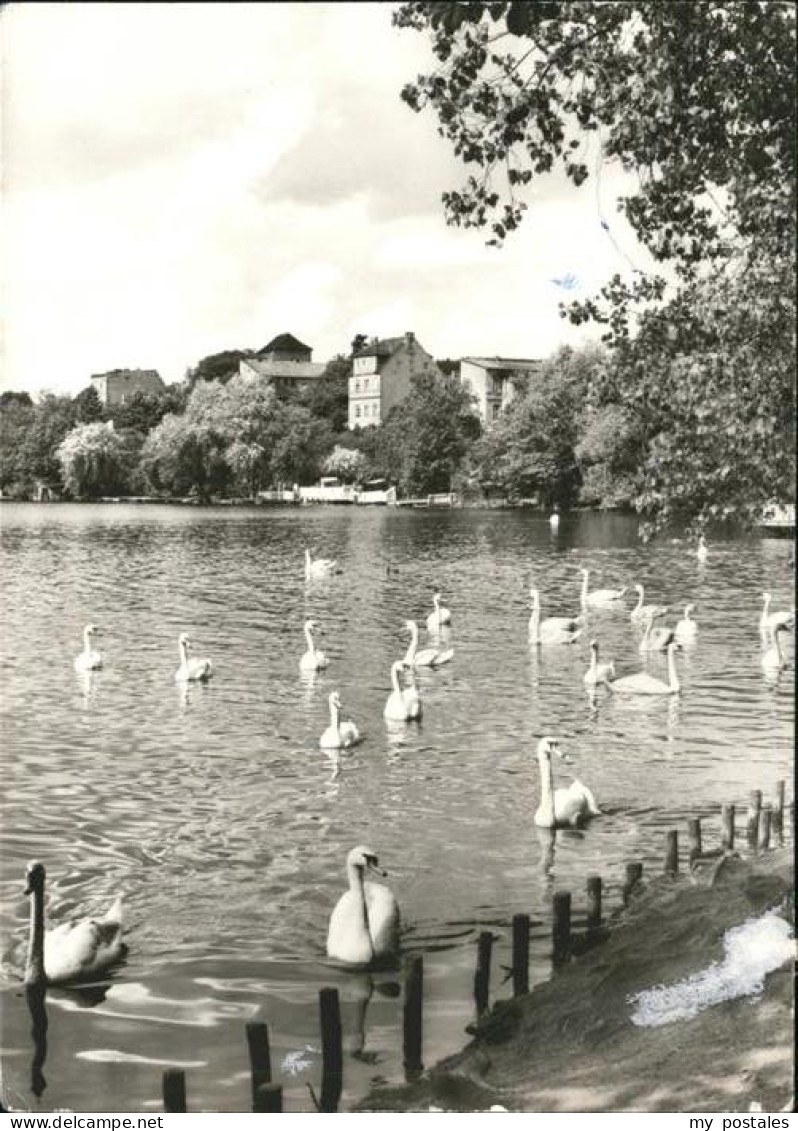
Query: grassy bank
[[570, 1044]]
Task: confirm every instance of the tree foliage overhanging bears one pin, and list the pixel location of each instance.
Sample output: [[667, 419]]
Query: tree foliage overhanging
[[698, 100]]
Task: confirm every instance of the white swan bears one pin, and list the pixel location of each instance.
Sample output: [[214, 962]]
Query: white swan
[[73, 951], [318, 567], [655, 639], [599, 598], [773, 658], [364, 925], [314, 659], [702, 553], [641, 683], [641, 611], [426, 657], [553, 630], [686, 628], [554, 519], [439, 616], [403, 703], [569, 806], [191, 670], [90, 659], [340, 733], [769, 621], [598, 673]]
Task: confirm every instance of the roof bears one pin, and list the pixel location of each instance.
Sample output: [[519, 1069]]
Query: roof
[[128, 373], [382, 347], [290, 370], [284, 342], [504, 362]]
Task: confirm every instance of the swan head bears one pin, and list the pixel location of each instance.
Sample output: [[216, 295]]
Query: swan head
[[548, 746], [34, 877], [310, 625], [91, 630], [365, 858], [436, 599], [183, 640], [639, 589], [594, 646], [411, 626], [535, 595], [335, 700]]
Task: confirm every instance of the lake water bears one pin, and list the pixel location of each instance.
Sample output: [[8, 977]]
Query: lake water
[[223, 824]]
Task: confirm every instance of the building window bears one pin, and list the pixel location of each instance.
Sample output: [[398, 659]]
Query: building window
[[365, 384], [357, 386], [495, 410], [357, 410]]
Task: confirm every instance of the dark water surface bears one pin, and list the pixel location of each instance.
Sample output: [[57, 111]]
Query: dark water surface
[[221, 821]]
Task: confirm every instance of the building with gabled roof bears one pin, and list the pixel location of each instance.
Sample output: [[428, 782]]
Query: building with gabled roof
[[284, 362], [381, 375], [494, 381]]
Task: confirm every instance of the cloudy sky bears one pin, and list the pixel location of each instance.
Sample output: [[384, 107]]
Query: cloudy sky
[[181, 179]]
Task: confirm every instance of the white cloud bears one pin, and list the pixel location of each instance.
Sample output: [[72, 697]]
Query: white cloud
[[183, 179]]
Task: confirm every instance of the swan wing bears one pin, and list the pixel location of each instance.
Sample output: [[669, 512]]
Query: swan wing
[[77, 950], [640, 682], [384, 919], [443, 657]]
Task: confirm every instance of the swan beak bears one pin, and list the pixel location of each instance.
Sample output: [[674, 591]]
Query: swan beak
[[568, 761], [28, 889], [372, 867]]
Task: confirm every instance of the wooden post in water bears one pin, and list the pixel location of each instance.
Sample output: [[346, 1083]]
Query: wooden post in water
[[482, 975], [593, 903], [174, 1090], [754, 805], [332, 1057], [561, 928], [671, 852], [634, 874], [694, 837], [259, 1056], [268, 1097], [413, 1018], [520, 955], [727, 821], [792, 819], [763, 832], [777, 816]]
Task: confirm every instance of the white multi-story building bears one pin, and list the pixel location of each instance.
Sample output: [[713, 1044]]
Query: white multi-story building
[[381, 373], [494, 381]]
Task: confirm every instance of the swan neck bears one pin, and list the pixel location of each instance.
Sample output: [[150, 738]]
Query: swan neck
[[309, 638], [410, 654], [534, 620], [546, 781], [639, 604], [584, 587], [673, 678], [358, 888], [335, 716], [395, 680], [34, 968]]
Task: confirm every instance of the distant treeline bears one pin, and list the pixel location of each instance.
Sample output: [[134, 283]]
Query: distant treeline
[[581, 430]]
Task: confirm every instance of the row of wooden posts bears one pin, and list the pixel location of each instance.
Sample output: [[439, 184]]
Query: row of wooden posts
[[764, 824]]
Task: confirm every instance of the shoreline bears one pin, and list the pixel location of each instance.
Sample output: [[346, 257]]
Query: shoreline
[[553, 1051]]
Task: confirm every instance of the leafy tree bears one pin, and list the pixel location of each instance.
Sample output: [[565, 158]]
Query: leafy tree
[[359, 342], [53, 418], [347, 463], [182, 456], [327, 398], [531, 448], [298, 443], [424, 439], [143, 411], [88, 406], [16, 419], [217, 367], [448, 366], [9, 397], [698, 99], [93, 463]]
